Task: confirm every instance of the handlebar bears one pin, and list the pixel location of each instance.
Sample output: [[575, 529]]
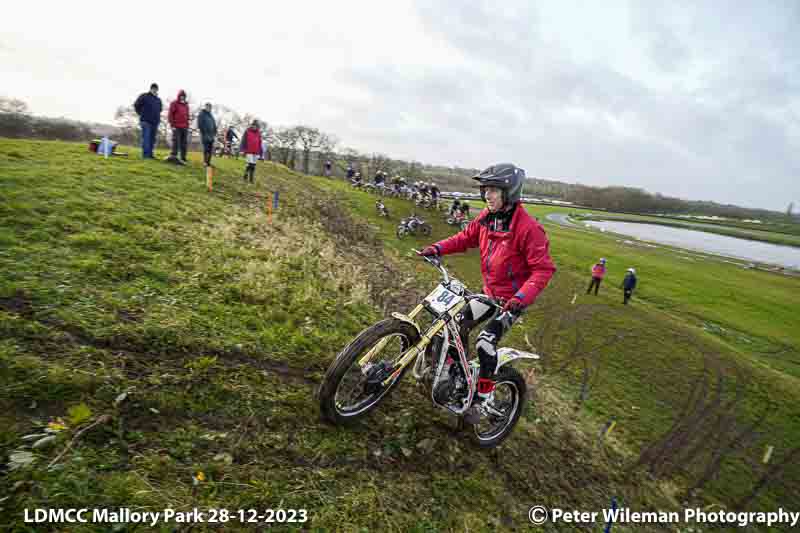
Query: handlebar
[[436, 261]]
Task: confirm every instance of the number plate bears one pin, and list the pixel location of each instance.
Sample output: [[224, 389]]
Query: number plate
[[441, 299]]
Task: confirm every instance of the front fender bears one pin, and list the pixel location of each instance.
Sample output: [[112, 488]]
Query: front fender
[[507, 355], [406, 318]]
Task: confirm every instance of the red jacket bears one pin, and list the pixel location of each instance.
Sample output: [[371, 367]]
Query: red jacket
[[251, 141], [513, 263], [598, 271], [179, 112]]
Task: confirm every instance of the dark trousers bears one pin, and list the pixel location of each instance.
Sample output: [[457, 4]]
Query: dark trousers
[[179, 142], [208, 150], [594, 283], [486, 344], [149, 132], [628, 294]]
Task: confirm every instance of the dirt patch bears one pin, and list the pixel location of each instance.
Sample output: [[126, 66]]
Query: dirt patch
[[126, 315], [18, 303]]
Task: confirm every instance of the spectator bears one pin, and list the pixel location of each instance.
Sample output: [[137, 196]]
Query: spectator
[[148, 106], [328, 166], [178, 117], [598, 271], [264, 149], [208, 132], [628, 284], [350, 171], [251, 146], [230, 137]]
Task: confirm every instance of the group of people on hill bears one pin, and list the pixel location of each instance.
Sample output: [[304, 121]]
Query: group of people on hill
[[149, 106], [599, 272]]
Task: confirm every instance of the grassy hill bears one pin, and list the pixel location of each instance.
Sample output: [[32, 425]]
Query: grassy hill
[[171, 339]]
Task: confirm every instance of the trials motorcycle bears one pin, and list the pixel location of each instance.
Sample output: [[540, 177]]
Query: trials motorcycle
[[373, 363]]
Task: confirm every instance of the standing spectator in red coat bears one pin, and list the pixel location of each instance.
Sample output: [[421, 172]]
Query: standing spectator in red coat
[[179, 121], [598, 272], [251, 147]]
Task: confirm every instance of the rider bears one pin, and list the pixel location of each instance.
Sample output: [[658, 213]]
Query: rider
[[515, 264], [423, 188], [230, 137], [435, 192], [455, 207]]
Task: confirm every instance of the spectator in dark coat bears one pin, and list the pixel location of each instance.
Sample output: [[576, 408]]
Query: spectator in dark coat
[[230, 137], [208, 132], [179, 121], [628, 284], [148, 106]]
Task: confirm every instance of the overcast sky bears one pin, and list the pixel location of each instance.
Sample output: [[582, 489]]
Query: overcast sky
[[699, 100]]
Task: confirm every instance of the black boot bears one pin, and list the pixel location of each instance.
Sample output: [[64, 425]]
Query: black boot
[[252, 172]]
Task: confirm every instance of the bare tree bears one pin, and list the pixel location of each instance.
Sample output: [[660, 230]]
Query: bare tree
[[327, 147], [309, 140], [15, 118], [286, 145], [379, 162], [127, 121]]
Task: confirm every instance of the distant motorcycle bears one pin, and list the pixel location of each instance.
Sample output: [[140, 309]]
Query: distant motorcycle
[[458, 219], [411, 225], [382, 210]]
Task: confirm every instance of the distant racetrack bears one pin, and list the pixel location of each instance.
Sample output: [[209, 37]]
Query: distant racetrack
[[561, 219]]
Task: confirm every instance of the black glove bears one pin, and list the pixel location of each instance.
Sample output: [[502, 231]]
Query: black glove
[[430, 251], [514, 305]]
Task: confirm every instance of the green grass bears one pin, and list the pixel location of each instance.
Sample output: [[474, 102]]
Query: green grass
[[128, 277]]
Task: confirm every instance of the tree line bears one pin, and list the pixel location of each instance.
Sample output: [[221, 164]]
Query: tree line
[[17, 122]]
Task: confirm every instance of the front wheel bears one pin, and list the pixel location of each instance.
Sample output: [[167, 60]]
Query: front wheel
[[502, 412], [349, 390], [401, 232]]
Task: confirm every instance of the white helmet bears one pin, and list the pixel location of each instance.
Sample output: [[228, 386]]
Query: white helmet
[[632, 270]]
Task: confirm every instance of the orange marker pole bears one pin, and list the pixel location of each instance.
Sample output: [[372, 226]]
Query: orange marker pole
[[269, 210], [210, 178]]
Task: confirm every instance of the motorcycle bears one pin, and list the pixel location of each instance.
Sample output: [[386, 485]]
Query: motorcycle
[[458, 219], [371, 366], [410, 226], [383, 211]]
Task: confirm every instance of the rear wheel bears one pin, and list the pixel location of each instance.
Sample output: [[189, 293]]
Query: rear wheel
[[401, 232], [425, 229], [350, 391], [502, 412]]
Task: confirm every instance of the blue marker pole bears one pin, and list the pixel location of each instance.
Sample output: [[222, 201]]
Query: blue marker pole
[[610, 518]]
